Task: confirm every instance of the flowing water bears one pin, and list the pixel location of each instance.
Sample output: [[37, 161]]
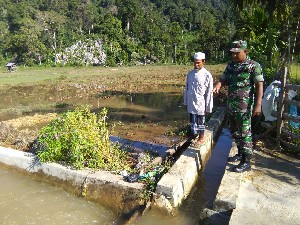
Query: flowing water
[[25, 201]]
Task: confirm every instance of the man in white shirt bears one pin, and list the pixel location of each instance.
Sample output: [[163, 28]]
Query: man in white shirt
[[198, 97]]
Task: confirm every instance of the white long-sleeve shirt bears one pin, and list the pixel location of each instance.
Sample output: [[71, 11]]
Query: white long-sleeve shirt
[[198, 95]]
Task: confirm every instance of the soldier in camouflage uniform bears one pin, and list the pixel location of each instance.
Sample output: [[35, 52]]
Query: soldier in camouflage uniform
[[244, 80]]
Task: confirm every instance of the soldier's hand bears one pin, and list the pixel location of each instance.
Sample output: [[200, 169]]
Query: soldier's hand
[[256, 111], [216, 90]]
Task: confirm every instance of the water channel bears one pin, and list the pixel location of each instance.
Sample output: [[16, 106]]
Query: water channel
[[26, 201]]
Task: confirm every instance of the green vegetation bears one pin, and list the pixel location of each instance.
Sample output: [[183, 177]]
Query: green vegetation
[[151, 178], [132, 32], [80, 139], [151, 31], [295, 73]]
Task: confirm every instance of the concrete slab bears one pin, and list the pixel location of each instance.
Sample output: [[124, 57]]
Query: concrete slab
[[270, 193]]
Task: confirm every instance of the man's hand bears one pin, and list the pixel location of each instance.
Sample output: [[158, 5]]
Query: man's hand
[[217, 88]]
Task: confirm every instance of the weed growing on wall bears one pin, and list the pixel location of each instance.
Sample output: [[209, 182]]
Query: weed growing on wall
[[80, 139], [152, 175]]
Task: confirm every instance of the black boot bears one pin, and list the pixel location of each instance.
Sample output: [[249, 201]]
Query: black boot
[[236, 157], [244, 165]]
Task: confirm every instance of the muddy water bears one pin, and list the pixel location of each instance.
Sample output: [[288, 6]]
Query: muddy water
[[17, 101], [25, 201]]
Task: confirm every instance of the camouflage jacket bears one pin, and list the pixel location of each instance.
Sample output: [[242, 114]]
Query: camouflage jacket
[[240, 79]]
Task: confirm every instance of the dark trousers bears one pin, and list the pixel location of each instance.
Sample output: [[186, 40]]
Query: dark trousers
[[197, 124]]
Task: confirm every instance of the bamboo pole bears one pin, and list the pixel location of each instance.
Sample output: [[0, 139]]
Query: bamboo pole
[[281, 105]]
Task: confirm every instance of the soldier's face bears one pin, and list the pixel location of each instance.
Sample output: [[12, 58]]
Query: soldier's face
[[198, 63], [239, 56]]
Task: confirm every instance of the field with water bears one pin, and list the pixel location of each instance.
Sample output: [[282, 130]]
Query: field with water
[[145, 103]]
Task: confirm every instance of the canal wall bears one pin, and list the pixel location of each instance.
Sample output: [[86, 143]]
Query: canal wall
[[174, 187], [101, 186], [111, 190]]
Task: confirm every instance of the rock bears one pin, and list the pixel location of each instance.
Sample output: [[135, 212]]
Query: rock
[[83, 53]]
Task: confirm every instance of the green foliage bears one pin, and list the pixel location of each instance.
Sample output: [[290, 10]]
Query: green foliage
[[124, 27], [297, 132], [268, 25], [80, 139], [295, 73], [33, 32], [294, 141], [151, 177], [269, 74]]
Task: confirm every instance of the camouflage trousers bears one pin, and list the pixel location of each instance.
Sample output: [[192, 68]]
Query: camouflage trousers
[[240, 128]]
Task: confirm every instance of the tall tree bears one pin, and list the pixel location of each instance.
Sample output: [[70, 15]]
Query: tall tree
[[51, 23], [128, 10], [27, 43], [277, 11]]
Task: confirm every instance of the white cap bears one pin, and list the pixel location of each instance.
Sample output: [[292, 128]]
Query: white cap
[[199, 55]]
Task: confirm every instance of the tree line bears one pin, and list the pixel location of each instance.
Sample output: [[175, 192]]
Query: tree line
[[147, 31]]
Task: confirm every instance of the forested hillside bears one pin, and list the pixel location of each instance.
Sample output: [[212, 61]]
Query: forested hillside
[[131, 32]]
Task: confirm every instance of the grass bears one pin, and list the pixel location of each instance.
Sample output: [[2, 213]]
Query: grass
[[115, 75], [295, 73]]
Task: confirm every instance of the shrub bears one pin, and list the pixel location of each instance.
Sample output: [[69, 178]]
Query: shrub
[[80, 139]]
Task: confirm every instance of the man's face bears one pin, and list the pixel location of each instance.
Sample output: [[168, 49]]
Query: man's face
[[239, 56], [198, 64]]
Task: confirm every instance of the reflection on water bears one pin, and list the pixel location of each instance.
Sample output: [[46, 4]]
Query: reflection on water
[[155, 107], [20, 100], [215, 167], [25, 201], [140, 146]]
